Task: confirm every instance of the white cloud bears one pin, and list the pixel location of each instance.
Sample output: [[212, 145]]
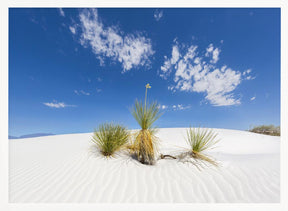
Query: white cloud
[[81, 92], [215, 56], [247, 72], [196, 72], [56, 104], [158, 14], [166, 68], [176, 107], [61, 12], [175, 55], [98, 90], [220, 99], [131, 50], [172, 88], [72, 29], [214, 52], [209, 49], [163, 107], [197, 60], [180, 107], [252, 98], [218, 85], [247, 75]]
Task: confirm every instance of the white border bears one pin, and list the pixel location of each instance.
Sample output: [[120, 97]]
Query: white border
[[283, 4]]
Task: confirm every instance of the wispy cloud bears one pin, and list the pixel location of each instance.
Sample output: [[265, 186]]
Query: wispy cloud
[[213, 52], [158, 14], [81, 92], [181, 107], [252, 98], [72, 29], [61, 12], [41, 21], [193, 71], [163, 107], [175, 107], [130, 50], [98, 90], [168, 63], [247, 76], [55, 104], [33, 20]]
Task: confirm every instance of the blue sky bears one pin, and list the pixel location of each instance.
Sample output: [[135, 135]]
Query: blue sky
[[72, 69]]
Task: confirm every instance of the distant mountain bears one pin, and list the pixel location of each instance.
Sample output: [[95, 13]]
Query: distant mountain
[[31, 135]]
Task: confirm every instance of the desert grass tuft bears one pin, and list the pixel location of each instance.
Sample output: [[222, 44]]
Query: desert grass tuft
[[199, 140], [110, 138], [145, 144]]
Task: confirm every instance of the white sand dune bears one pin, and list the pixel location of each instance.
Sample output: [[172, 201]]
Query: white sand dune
[[67, 168]]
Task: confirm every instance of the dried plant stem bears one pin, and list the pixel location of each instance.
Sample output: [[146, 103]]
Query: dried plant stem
[[167, 156]]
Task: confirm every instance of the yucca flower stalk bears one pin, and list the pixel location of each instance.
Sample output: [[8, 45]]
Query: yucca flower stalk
[[145, 144], [147, 87]]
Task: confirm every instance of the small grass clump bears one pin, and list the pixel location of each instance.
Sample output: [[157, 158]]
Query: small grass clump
[[110, 137], [145, 144], [267, 130], [200, 140]]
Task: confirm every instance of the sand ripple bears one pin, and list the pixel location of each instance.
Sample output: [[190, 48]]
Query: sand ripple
[[64, 169]]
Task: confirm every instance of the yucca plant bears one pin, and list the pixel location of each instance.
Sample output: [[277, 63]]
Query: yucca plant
[[145, 144], [199, 140], [110, 137]]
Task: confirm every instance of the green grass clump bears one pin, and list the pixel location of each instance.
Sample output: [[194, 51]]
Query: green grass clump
[[200, 140], [267, 130], [110, 137], [145, 144], [146, 115]]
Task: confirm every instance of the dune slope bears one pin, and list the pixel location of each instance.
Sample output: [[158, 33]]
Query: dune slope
[[68, 168]]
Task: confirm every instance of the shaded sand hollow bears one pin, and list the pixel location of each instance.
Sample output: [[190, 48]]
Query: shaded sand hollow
[[67, 168]]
